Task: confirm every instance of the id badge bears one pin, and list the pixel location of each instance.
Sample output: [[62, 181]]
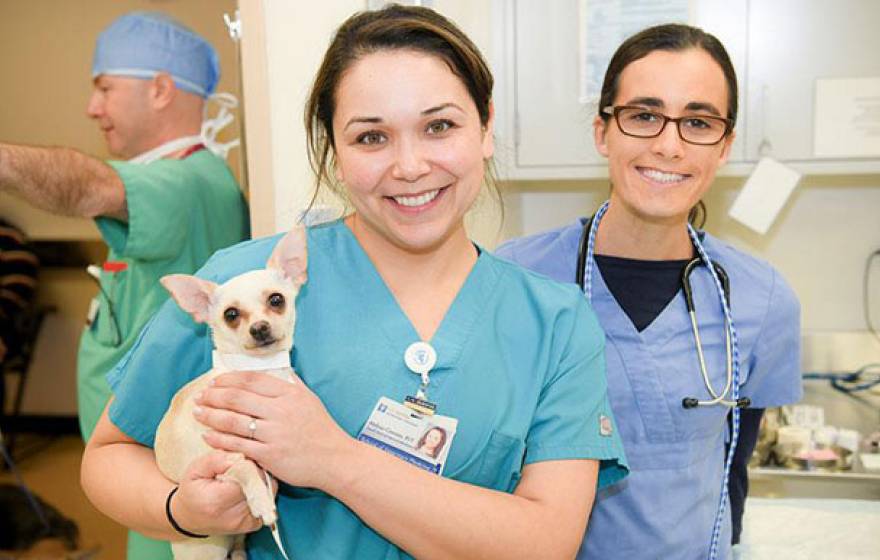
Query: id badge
[[421, 440]]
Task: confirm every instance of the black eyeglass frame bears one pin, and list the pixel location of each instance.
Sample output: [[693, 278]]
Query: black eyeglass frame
[[615, 110]]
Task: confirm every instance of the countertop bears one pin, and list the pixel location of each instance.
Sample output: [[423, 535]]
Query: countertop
[[806, 529]]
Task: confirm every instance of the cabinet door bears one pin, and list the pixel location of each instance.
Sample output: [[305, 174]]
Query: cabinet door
[[727, 20], [552, 129], [791, 44]]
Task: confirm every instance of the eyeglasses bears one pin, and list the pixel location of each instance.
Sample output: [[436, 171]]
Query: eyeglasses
[[703, 130]]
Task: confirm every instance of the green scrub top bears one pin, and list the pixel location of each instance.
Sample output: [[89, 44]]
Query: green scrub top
[[520, 364], [180, 213]]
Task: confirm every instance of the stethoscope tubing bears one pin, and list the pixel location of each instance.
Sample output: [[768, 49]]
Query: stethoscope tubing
[[717, 398], [722, 284], [861, 379], [688, 402]]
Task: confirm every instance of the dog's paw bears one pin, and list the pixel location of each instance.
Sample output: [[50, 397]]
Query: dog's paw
[[263, 507]]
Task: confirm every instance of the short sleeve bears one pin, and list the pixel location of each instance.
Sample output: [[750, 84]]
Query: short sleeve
[[156, 196], [573, 419], [774, 366], [551, 253]]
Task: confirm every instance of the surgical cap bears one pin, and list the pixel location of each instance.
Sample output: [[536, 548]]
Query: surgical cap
[[142, 44]]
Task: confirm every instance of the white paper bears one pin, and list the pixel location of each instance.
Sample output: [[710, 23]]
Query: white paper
[[764, 194], [847, 118], [605, 24]]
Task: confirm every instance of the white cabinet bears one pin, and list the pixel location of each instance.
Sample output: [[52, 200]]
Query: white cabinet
[[552, 129], [778, 48], [791, 44]]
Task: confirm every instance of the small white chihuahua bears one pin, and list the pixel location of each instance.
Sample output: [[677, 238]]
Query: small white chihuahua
[[252, 318]]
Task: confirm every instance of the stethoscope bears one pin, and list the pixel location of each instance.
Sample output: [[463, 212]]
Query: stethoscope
[[731, 386], [584, 268]]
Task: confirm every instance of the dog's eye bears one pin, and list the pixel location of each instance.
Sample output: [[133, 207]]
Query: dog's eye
[[276, 300], [230, 315]]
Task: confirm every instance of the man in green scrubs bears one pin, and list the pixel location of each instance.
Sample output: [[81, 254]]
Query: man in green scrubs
[[164, 208]]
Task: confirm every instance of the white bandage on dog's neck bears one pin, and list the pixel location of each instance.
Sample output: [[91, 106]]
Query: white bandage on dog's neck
[[243, 362]]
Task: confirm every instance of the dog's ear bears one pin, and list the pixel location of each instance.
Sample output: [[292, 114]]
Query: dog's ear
[[192, 294], [289, 255]]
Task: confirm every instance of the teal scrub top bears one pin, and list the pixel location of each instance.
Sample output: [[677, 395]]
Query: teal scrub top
[[520, 365], [180, 213]]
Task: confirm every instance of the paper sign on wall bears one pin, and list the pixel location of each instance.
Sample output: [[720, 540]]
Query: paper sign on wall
[[847, 118], [604, 24], [764, 194]]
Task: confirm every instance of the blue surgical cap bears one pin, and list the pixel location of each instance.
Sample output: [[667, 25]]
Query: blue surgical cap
[[142, 44]]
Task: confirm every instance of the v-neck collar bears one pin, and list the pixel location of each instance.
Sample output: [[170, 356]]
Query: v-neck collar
[[617, 321], [631, 264], [671, 319], [383, 309]]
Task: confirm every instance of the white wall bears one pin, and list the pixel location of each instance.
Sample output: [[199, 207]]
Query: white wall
[[282, 46]]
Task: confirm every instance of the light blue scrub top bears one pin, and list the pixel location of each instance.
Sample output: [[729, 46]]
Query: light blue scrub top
[[520, 365], [666, 507]]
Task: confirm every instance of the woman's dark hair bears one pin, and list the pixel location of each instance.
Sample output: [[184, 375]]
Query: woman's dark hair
[[439, 447], [391, 28], [670, 37]]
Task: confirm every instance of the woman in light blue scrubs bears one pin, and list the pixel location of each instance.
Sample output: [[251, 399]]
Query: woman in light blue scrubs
[[400, 116], [666, 124]]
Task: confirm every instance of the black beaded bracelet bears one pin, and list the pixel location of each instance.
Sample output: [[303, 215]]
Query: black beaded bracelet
[[171, 520]]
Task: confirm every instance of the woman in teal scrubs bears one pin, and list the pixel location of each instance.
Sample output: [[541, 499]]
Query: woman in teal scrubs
[[400, 115], [666, 124]]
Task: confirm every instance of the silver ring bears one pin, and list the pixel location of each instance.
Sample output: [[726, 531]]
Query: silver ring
[[252, 426]]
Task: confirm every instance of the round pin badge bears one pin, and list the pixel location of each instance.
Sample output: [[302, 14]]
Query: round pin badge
[[420, 357]]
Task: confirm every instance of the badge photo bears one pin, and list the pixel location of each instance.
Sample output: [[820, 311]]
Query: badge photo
[[421, 440]]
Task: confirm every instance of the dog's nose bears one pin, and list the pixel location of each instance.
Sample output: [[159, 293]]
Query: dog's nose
[[261, 331]]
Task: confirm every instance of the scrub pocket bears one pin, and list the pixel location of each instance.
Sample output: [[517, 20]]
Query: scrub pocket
[[105, 326], [501, 465], [102, 328]]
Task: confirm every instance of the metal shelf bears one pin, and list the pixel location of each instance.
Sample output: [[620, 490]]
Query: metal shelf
[[857, 474], [858, 412]]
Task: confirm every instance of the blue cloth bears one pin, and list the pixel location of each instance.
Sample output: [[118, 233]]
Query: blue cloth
[[520, 365], [142, 44], [666, 507]]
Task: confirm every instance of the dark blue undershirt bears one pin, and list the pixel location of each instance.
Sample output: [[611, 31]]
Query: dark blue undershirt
[[643, 289]]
